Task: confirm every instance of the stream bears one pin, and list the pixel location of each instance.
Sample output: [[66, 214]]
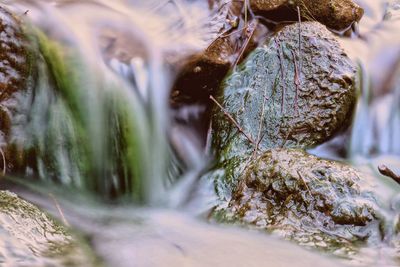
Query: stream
[[102, 138]]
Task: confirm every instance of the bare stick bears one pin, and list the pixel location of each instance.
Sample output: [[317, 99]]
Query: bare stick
[[296, 81], [249, 33], [261, 122], [299, 15], [59, 209], [304, 182], [232, 120], [4, 162], [245, 11], [226, 34], [384, 170], [233, 32], [280, 56]]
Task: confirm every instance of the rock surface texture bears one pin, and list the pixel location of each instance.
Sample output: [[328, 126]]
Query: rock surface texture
[[17, 78], [29, 237], [285, 94], [335, 14], [313, 201], [293, 93], [14, 56]]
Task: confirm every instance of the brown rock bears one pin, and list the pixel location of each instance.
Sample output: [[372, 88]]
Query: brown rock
[[16, 77], [335, 14], [14, 56], [201, 75]]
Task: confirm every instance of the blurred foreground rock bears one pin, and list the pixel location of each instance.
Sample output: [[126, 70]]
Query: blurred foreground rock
[[29, 237]]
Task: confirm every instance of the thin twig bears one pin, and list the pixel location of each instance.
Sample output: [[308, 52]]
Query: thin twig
[[249, 34], [233, 32], [304, 182], [296, 82], [384, 170], [308, 15], [232, 120], [260, 126], [226, 34], [245, 11], [300, 60], [280, 56], [4, 162], [59, 210]]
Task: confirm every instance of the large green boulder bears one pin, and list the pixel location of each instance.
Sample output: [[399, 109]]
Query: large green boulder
[[286, 94]]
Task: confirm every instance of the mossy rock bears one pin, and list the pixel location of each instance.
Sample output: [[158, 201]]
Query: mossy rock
[[17, 80], [15, 61], [285, 94], [315, 202], [29, 237]]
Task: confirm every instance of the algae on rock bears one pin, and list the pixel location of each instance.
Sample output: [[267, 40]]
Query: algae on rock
[[315, 202], [69, 109], [285, 94], [17, 81], [30, 237], [16, 62]]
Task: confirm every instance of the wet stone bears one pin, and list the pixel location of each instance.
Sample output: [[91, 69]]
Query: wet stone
[[282, 99], [17, 79], [315, 202], [202, 73], [15, 65], [335, 14], [31, 238]]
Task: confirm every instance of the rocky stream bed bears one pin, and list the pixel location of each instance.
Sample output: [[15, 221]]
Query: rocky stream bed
[[272, 82]]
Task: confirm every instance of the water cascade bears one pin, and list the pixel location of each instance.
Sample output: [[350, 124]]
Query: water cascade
[[94, 126]]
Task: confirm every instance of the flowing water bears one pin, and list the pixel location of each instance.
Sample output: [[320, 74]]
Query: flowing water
[[99, 124]]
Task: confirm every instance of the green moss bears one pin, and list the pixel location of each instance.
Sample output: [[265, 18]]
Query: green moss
[[281, 98], [33, 238], [312, 201], [87, 132]]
